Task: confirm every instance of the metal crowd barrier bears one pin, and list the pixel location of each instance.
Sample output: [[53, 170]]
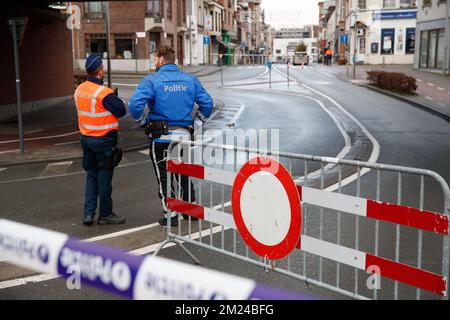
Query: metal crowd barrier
[[361, 234], [123, 274]]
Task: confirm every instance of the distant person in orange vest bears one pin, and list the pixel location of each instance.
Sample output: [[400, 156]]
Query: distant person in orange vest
[[99, 109], [329, 56]]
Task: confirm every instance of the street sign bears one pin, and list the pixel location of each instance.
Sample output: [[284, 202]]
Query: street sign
[[344, 38], [206, 40], [264, 192]]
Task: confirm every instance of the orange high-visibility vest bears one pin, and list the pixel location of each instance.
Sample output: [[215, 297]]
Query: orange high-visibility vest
[[93, 118], [329, 52]]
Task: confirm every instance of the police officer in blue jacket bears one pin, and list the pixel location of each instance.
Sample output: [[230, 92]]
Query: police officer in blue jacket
[[164, 102]]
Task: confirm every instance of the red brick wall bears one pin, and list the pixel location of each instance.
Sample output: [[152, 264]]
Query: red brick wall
[[45, 59]]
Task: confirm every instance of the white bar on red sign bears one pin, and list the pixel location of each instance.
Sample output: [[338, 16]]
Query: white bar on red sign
[[220, 176], [335, 201], [222, 218], [334, 252]]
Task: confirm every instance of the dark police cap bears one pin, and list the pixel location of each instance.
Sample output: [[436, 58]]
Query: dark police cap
[[93, 63]]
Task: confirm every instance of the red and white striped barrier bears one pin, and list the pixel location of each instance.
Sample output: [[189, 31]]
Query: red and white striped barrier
[[402, 215]]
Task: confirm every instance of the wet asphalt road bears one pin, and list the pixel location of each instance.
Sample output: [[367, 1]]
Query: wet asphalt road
[[407, 136]]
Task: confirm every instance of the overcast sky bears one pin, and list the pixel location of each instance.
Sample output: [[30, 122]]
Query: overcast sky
[[291, 13]]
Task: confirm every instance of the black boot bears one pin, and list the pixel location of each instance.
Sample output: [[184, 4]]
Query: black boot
[[111, 219]]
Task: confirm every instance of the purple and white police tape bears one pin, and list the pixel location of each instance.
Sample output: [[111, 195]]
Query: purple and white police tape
[[114, 270]]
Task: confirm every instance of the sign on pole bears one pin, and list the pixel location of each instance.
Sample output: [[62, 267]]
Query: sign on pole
[[206, 40], [208, 23]]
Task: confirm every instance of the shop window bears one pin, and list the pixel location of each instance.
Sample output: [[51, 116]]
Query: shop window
[[410, 40], [440, 52], [432, 48], [387, 41], [423, 49], [124, 48], [96, 44]]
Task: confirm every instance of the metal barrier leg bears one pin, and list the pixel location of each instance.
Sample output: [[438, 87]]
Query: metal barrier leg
[[179, 244]]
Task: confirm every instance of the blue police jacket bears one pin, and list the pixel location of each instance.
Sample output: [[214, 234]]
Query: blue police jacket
[[169, 95]]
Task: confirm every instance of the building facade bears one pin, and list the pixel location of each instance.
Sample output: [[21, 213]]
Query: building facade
[[200, 31], [286, 41], [385, 30], [433, 38], [137, 28]]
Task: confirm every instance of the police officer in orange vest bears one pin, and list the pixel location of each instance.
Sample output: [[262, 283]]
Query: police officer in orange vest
[[329, 56], [99, 109]]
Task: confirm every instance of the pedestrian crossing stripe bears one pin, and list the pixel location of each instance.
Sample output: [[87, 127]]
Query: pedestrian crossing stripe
[[3, 169]]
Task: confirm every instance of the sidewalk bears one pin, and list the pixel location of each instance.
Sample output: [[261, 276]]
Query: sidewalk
[[433, 91], [52, 134]]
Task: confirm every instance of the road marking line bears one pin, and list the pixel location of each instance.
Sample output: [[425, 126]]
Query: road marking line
[[430, 84], [66, 143], [121, 233], [145, 151], [9, 151], [43, 138], [419, 80], [441, 104], [21, 281], [429, 98], [3, 169], [440, 88], [55, 168], [376, 145], [68, 174]]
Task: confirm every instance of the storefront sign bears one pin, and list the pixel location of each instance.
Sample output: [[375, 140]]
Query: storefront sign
[[394, 15]]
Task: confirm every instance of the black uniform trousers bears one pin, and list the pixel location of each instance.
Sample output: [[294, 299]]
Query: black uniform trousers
[[158, 153]]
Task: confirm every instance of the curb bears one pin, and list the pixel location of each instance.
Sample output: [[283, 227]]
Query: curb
[[409, 101], [217, 106]]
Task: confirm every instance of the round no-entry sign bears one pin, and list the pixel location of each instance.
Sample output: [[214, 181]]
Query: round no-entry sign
[[266, 208]]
